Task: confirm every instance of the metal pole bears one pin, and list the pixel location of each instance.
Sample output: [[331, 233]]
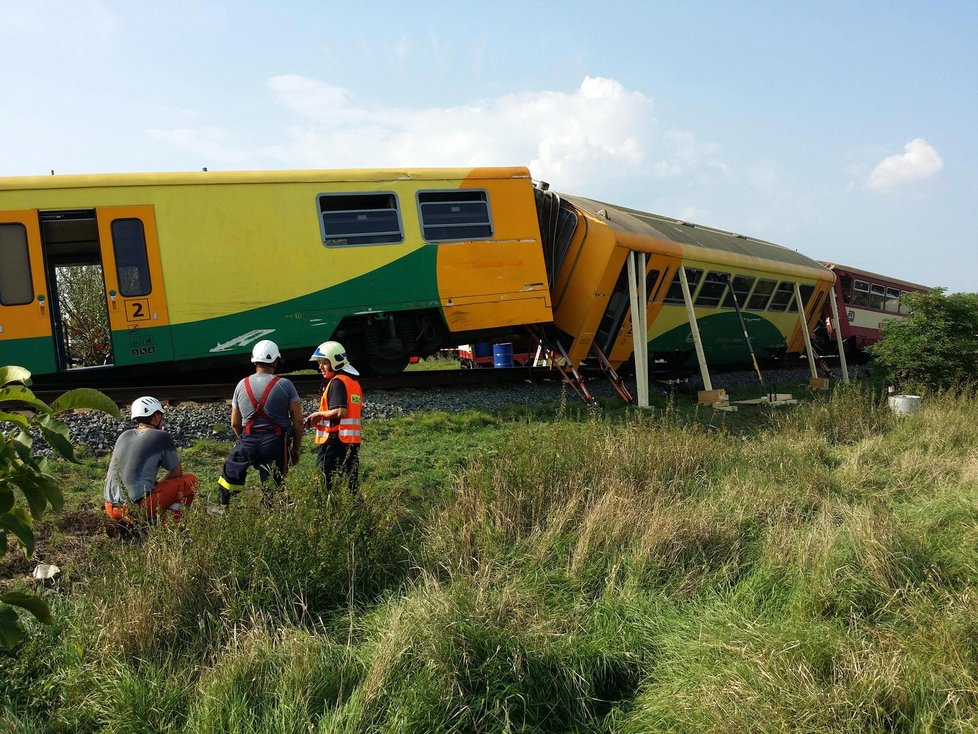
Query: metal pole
[[743, 327], [639, 337], [695, 330], [838, 337], [804, 332], [644, 315]]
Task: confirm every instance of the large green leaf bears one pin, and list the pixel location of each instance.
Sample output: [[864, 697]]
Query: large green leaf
[[85, 397], [32, 603], [18, 523], [20, 396], [3, 543], [35, 488], [16, 418], [14, 374], [10, 631], [52, 492], [56, 434], [6, 498], [22, 443]]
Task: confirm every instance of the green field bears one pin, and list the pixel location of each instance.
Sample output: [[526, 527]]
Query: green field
[[807, 570]]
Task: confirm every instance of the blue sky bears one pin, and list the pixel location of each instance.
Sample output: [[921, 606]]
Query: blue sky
[[844, 130]]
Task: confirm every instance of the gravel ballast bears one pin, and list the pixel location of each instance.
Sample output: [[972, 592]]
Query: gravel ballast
[[189, 422]]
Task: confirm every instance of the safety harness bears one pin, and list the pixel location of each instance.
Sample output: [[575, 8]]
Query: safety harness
[[259, 406]]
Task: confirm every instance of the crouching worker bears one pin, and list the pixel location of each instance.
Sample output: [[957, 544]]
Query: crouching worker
[[131, 488], [337, 421], [266, 416]]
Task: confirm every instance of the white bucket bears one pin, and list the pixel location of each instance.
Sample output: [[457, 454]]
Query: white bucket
[[904, 404]]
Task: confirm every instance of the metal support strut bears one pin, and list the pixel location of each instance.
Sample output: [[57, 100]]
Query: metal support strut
[[616, 381], [557, 356], [638, 303]]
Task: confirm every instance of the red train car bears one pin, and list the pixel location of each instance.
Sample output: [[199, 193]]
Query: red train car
[[865, 300]]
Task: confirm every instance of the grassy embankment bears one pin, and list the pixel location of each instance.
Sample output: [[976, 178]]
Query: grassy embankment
[[811, 571]]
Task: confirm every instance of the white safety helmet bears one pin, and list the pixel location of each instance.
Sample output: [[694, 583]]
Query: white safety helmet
[[265, 352], [146, 406], [334, 352]]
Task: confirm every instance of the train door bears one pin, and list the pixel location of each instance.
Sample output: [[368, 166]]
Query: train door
[[25, 323], [135, 294], [75, 284], [107, 304]]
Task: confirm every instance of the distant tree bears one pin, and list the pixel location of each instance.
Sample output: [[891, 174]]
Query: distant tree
[[25, 475], [935, 346], [81, 291]]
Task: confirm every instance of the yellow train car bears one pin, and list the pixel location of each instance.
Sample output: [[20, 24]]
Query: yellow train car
[[197, 267], [587, 245]]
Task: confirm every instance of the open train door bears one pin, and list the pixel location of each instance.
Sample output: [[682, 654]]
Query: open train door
[[25, 323], [134, 289]]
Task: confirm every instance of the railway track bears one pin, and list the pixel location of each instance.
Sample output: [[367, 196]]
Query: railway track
[[310, 384]]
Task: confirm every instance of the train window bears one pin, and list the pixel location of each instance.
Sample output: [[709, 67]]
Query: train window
[[893, 300], [16, 288], [845, 287], [876, 296], [359, 219], [861, 293], [741, 287], [712, 290], [131, 263], [783, 297], [675, 292], [806, 295], [761, 295], [460, 214]]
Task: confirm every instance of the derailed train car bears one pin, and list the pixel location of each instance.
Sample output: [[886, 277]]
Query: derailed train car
[[197, 267], [194, 268], [865, 302], [587, 245]]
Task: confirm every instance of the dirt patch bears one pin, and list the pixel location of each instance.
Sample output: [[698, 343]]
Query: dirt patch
[[83, 521], [59, 539]]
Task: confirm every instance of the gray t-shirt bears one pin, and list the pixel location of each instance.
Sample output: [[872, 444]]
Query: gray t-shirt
[[277, 405], [136, 460]]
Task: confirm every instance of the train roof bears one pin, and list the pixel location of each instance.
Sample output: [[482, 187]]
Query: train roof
[[380, 175], [835, 267], [687, 233]]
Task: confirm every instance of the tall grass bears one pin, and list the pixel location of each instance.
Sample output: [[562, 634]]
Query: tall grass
[[810, 571]]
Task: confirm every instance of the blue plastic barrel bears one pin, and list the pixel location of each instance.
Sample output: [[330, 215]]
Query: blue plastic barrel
[[483, 349], [502, 355]]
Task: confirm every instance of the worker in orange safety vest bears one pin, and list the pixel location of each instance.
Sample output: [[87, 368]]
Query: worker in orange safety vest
[[337, 422]]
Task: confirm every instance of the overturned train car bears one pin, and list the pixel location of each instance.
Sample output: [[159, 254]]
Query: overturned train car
[[587, 244]]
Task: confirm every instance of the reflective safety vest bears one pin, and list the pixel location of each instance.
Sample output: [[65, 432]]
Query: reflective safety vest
[[347, 429]]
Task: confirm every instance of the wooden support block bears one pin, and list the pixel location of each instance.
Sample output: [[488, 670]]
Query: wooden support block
[[819, 383], [709, 397], [771, 399]]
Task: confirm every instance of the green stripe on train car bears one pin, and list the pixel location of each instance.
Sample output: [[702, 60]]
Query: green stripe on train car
[[723, 339], [36, 354], [405, 284], [142, 345]]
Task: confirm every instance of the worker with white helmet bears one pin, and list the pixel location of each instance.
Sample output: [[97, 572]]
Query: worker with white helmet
[[266, 416], [337, 421], [137, 458]]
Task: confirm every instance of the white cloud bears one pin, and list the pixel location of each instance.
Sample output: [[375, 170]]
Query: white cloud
[[918, 161], [600, 138], [596, 131]]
